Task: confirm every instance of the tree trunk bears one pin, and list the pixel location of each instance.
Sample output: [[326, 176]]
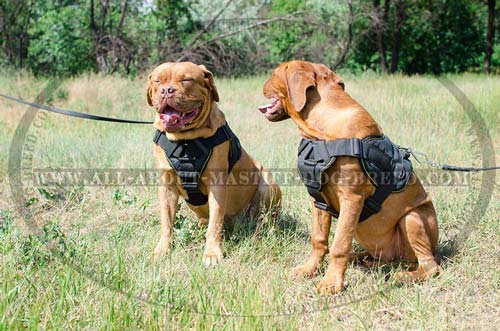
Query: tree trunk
[[14, 25], [24, 38], [490, 36], [122, 18], [380, 17], [400, 12], [348, 42]]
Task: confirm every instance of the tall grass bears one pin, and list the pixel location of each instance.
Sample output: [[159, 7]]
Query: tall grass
[[90, 264]]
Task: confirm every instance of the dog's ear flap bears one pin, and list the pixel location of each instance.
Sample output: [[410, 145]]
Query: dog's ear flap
[[149, 90], [338, 80], [325, 72], [209, 80], [298, 81]]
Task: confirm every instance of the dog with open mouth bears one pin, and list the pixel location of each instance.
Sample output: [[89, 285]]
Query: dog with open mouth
[[201, 159], [391, 219]]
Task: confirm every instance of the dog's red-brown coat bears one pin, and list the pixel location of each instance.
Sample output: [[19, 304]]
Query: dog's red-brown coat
[[313, 97]]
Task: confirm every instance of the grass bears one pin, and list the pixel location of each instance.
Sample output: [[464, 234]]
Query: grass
[[89, 266]]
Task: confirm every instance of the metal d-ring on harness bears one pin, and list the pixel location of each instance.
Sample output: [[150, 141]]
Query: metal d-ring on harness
[[386, 165], [190, 157]]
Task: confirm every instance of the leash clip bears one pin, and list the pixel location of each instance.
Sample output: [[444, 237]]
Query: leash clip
[[417, 154]]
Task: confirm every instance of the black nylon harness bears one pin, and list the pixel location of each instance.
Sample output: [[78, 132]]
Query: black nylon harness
[[189, 158], [387, 166]]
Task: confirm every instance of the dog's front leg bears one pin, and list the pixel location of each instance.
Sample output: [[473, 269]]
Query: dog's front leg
[[350, 209], [321, 221], [217, 210], [168, 197]]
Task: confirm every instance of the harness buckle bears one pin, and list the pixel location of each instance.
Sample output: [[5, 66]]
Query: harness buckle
[[189, 178], [190, 185], [324, 206]]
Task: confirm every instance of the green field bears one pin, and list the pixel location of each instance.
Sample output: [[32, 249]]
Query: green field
[[88, 262]]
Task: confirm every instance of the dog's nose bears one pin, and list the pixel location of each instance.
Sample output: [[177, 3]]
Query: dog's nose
[[167, 90]]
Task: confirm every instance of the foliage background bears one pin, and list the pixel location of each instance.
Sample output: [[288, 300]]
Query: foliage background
[[235, 37]]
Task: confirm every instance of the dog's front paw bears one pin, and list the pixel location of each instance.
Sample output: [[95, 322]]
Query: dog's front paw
[[212, 256], [162, 248], [330, 286], [305, 270], [424, 271]]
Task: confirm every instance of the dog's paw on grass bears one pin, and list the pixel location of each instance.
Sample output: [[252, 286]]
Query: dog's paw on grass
[[304, 271], [212, 256]]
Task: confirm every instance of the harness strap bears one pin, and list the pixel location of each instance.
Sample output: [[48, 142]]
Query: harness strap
[[189, 158], [317, 156], [360, 149]]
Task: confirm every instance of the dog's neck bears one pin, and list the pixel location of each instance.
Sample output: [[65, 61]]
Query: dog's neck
[[211, 119], [331, 114]]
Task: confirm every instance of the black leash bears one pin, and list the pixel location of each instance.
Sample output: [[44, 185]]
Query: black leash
[[446, 167], [73, 113]]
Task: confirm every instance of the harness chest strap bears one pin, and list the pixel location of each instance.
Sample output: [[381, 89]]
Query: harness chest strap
[[189, 158], [315, 157]]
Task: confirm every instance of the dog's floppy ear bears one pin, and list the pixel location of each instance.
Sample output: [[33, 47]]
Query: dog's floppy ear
[[297, 82], [338, 80], [149, 90], [327, 73], [209, 80]]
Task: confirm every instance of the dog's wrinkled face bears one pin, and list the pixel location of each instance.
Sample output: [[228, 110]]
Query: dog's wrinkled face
[[287, 88], [275, 89], [181, 93]]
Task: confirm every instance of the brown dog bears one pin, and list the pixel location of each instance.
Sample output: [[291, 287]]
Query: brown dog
[[406, 226], [184, 96]]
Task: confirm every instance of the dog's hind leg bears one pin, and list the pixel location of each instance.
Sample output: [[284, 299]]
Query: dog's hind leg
[[419, 236], [358, 258], [202, 221], [267, 198]]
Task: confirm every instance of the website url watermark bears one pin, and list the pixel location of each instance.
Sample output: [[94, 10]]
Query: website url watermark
[[284, 177]]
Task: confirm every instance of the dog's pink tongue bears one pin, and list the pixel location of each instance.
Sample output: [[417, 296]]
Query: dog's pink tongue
[[263, 109], [170, 117]]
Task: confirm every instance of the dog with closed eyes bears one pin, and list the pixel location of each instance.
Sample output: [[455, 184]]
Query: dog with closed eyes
[[200, 158]]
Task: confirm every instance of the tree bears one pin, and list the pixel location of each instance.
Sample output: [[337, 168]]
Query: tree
[[58, 44], [173, 23], [242, 37], [490, 35], [347, 46], [441, 36], [15, 19], [110, 47], [396, 43], [380, 21]]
